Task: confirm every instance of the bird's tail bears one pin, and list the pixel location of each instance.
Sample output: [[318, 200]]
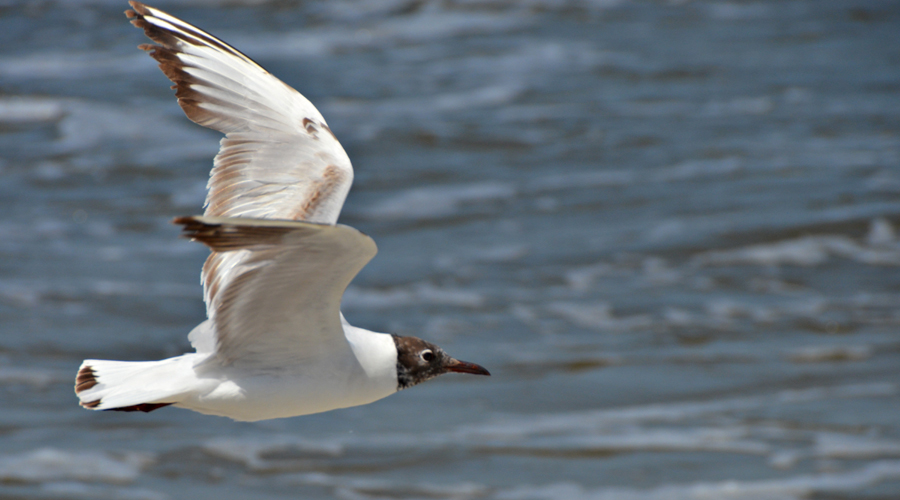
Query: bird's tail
[[130, 385]]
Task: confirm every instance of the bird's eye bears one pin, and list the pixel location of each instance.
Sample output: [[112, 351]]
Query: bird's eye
[[427, 355]]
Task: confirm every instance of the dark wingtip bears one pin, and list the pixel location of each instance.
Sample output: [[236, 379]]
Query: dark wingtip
[[194, 229], [183, 220], [90, 405], [85, 379], [137, 10]]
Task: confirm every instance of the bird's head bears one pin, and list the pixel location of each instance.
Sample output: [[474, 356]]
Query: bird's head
[[418, 361]]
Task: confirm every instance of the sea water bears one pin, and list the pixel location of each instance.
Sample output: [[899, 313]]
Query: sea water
[[669, 229]]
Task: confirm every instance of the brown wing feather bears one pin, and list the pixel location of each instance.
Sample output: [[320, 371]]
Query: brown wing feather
[[279, 159]]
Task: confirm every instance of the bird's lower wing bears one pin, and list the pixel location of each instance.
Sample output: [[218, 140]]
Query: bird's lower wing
[[273, 288]]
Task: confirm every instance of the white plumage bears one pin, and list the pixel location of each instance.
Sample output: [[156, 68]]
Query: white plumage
[[275, 344]]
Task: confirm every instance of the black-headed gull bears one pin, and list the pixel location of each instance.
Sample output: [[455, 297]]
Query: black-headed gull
[[275, 344]]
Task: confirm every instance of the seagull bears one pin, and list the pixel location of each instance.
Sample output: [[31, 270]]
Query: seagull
[[275, 343]]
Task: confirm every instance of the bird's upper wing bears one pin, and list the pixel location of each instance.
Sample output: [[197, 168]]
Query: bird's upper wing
[[279, 159], [274, 288]]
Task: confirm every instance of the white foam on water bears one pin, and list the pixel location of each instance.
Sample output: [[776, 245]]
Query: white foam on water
[[697, 169], [534, 63], [789, 488], [168, 4], [309, 43], [881, 233], [90, 124], [61, 490], [828, 154], [494, 79], [783, 444], [87, 125], [425, 26], [598, 315], [863, 300], [657, 271], [587, 422], [848, 391], [189, 195], [835, 445], [524, 313], [438, 201], [252, 452], [652, 108], [583, 278], [499, 253], [883, 181], [351, 487], [431, 24], [803, 307], [54, 465], [459, 262], [492, 95], [759, 105], [725, 310], [633, 439], [33, 293], [669, 108], [19, 110], [546, 5], [578, 180], [418, 293], [365, 120], [19, 294], [52, 229], [84, 126], [716, 312], [142, 289], [830, 353], [519, 112], [667, 230], [438, 328], [684, 171], [772, 300], [355, 10], [785, 459], [279, 453], [34, 377], [71, 66], [804, 251], [677, 316], [734, 11]]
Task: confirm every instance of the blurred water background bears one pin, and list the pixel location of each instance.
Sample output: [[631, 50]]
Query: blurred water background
[[669, 229]]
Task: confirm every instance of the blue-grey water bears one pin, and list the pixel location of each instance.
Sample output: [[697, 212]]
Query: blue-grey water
[[669, 229]]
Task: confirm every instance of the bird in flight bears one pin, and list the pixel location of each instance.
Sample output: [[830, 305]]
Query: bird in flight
[[275, 343]]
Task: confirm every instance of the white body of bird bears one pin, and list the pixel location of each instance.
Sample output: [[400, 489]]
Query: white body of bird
[[275, 344], [362, 374]]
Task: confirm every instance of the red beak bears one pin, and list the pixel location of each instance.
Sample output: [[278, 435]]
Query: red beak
[[458, 366]]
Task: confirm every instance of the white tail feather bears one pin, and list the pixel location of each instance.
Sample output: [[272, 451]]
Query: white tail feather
[[107, 385]]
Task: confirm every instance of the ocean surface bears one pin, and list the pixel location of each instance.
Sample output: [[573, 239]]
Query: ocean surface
[[670, 229]]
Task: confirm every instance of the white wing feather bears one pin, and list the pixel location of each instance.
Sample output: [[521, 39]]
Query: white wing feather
[[279, 159], [274, 301], [280, 303]]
